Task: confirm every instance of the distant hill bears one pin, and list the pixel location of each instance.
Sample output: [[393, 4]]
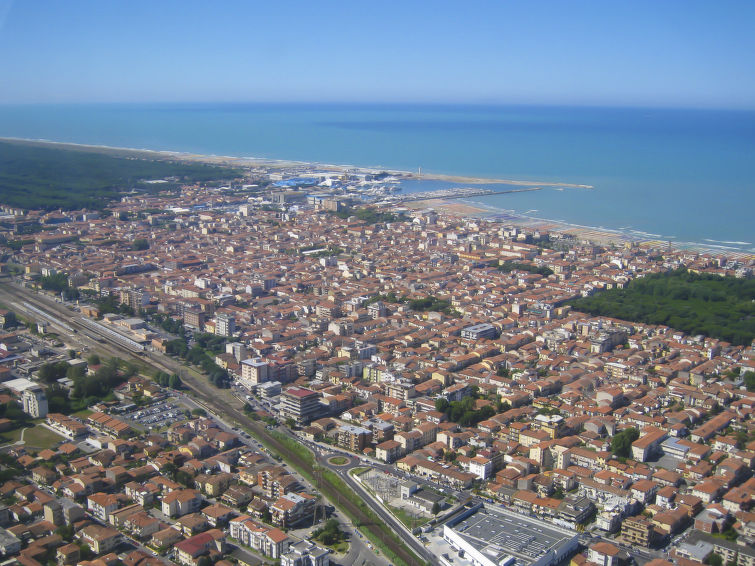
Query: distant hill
[[719, 307], [48, 177]]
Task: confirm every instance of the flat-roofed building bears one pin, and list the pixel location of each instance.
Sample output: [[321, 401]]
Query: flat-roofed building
[[730, 551], [35, 402], [225, 325], [354, 438], [490, 536], [10, 544], [304, 553], [269, 389], [477, 331], [255, 371], [637, 530], [300, 404]]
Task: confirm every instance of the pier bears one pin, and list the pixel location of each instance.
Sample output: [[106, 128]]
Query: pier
[[457, 193]]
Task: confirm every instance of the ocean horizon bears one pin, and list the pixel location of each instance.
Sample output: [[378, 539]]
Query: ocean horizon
[[679, 175]]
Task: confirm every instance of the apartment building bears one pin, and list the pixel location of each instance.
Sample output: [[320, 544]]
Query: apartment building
[[300, 404], [34, 402], [255, 371]]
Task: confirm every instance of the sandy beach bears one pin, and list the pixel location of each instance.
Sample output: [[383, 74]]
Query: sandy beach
[[460, 209], [582, 233], [450, 207], [233, 161]]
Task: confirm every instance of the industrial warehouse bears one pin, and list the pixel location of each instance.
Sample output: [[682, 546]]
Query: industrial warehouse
[[491, 536]]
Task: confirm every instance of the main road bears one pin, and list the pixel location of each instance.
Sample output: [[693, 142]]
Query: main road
[[323, 457], [219, 402]]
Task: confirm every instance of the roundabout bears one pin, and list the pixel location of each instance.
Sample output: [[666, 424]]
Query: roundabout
[[339, 461]]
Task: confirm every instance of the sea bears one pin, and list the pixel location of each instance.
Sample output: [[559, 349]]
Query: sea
[[683, 176]]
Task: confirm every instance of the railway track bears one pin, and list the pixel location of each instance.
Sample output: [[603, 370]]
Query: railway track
[[377, 529]]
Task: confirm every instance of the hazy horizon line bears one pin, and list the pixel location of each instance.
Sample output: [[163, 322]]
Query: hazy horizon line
[[379, 103]]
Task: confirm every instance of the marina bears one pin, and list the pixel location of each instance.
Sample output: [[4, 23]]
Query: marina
[[456, 193]]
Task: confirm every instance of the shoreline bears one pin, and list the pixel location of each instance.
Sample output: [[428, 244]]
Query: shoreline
[[594, 234], [248, 161], [458, 208]]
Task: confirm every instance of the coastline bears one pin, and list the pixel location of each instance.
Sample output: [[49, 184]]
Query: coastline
[[596, 235], [250, 161], [464, 210], [459, 208]]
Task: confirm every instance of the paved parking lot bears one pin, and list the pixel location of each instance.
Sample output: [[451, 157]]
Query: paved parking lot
[[160, 414]]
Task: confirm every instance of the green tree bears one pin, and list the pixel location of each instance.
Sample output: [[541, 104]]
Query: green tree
[[140, 244], [51, 372], [185, 478], [749, 380], [705, 304], [10, 320], [714, 559], [177, 347], [57, 399], [468, 403], [56, 282], [169, 470], [14, 413], [330, 533], [74, 372], [436, 508], [621, 443], [85, 552], [510, 265], [34, 176], [66, 532]]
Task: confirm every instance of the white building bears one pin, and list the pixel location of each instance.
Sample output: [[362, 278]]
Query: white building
[[481, 467], [237, 349], [225, 325], [255, 371], [304, 553], [35, 402], [490, 536]]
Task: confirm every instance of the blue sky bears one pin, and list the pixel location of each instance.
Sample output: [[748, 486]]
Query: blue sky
[[640, 53]]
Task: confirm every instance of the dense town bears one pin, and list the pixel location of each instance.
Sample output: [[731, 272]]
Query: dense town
[[497, 423]]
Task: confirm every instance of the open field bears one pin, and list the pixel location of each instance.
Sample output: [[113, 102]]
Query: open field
[[41, 437], [82, 414], [36, 437], [10, 436]]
